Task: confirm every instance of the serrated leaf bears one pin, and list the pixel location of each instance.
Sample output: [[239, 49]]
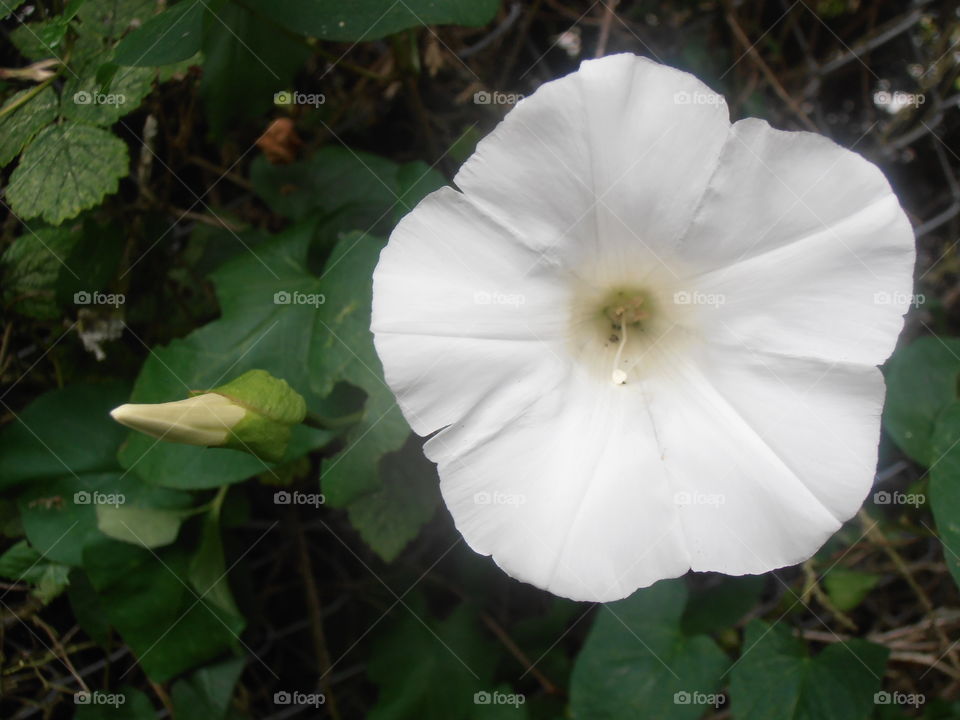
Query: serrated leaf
[[637, 660], [97, 91], [19, 126], [45, 267], [32, 268], [67, 169], [40, 40], [110, 19], [372, 19], [775, 679], [171, 36], [392, 516], [922, 379]]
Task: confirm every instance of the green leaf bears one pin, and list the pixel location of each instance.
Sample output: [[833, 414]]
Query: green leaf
[[88, 100], [722, 604], [391, 517], [147, 598], [40, 40], [87, 608], [775, 679], [372, 19], [62, 432], [637, 660], [171, 36], [848, 588], [46, 266], [247, 58], [10, 6], [273, 408], [352, 190], [109, 19], [22, 563], [206, 694], [922, 379], [454, 661], [273, 318], [144, 526], [342, 351], [97, 91], [60, 517], [945, 485], [208, 570], [19, 126], [68, 168], [33, 266]]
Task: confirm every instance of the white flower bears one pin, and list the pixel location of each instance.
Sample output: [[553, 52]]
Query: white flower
[[691, 380]]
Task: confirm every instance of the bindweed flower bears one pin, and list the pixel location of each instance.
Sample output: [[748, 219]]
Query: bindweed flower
[[690, 380], [254, 413]]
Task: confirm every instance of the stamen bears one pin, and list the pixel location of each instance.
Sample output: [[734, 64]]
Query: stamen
[[619, 377]]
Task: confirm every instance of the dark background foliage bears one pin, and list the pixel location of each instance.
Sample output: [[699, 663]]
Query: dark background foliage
[[161, 190]]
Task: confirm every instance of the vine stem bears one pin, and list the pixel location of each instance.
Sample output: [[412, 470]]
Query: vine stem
[[29, 95], [873, 530]]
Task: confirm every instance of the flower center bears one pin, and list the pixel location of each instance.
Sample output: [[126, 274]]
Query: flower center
[[628, 311]]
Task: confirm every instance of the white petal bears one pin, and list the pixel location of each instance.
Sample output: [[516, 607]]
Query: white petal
[[742, 505], [822, 419], [200, 420], [456, 316], [805, 245], [603, 163], [571, 497]]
